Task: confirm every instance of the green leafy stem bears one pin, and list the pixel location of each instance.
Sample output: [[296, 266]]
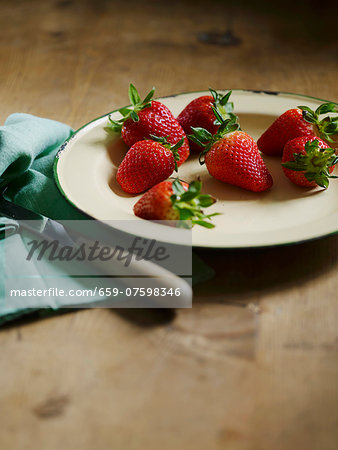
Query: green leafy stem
[[189, 204], [221, 102], [328, 126], [315, 163], [206, 140], [131, 112]]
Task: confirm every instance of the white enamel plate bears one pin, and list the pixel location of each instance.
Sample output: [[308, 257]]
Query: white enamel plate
[[86, 165]]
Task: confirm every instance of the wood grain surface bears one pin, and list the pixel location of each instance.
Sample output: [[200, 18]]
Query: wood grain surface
[[253, 365]]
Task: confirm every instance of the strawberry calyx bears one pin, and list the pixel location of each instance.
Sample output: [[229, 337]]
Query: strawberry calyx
[[221, 102], [206, 140], [327, 126], [131, 112], [315, 163], [163, 140], [189, 204]]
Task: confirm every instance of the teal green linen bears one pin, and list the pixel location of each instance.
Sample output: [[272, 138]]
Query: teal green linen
[[8, 227], [28, 145]]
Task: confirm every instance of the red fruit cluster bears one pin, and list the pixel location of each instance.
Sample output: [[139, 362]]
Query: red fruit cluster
[[231, 155], [288, 126], [304, 140], [158, 144], [146, 163], [199, 113], [152, 123], [146, 118], [156, 204], [176, 201], [235, 159], [309, 162]]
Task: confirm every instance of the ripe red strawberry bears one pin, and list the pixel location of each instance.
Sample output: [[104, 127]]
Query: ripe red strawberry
[[309, 161], [232, 156], [301, 121], [177, 201], [146, 118], [199, 113], [147, 163]]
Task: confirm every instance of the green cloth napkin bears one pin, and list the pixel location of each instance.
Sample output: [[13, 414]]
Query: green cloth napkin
[[7, 227], [28, 145]]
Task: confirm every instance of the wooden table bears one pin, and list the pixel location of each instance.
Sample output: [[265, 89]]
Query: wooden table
[[253, 365]]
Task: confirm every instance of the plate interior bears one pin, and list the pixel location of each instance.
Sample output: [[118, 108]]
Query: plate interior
[[86, 169]]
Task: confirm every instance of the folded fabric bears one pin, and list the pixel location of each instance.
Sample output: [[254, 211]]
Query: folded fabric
[[28, 145], [7, 227], [22, 275]]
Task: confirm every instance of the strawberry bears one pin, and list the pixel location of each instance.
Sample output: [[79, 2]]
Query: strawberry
[[199, 113], [309, 161], [147, 163], [232, 156], [177, 201], [301, 121], [148, 117]]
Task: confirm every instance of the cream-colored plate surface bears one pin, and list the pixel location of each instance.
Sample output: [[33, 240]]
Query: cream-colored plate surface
[[86, 165]]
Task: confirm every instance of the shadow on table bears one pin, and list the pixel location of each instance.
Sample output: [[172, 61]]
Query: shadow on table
[[242, 273]]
